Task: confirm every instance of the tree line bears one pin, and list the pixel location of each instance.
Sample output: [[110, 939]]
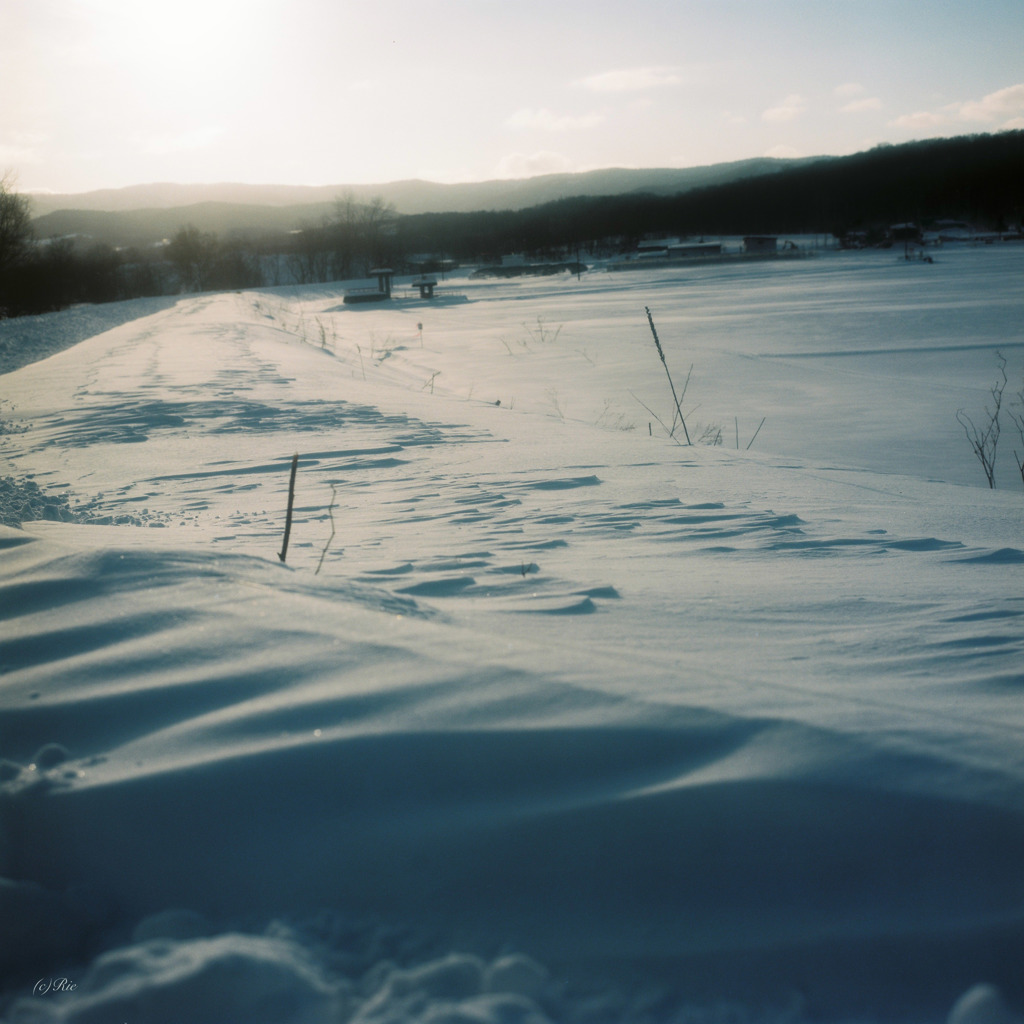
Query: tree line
[[41, 276], [978, 179]]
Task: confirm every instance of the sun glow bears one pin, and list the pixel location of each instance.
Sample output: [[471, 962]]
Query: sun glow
[[102, 93], [172, 57]]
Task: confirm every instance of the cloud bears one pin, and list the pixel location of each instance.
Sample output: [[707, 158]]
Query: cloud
[[195, 138], [1008, 102], [1002, 109], [857, 106], [528, 165], [632, 79], [783, 152], [545, 120], [857, 102], [791, 107], [923, 119]]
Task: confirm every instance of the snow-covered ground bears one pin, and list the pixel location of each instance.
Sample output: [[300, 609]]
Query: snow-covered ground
[[546, 716]]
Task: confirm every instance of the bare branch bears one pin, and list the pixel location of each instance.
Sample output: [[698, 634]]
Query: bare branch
[[659, 419], [330, 512], [984, 438], [1018, 422]]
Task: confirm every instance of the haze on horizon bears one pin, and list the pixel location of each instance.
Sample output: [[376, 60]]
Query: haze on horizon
[[109, 93]]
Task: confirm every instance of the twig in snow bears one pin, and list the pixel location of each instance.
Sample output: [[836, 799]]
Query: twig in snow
[[658, 418], [1018, 422], [676, 398], [330, 512], [682, 395]]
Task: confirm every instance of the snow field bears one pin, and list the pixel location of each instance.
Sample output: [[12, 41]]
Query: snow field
[[710, 733]]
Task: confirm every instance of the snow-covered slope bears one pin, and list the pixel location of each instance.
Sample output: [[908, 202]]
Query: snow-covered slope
[[545, 715]]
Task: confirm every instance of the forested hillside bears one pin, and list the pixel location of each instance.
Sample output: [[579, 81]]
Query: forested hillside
[[979, 179]]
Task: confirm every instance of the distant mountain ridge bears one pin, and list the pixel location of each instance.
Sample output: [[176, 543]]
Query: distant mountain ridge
[[414, 195], [976, 178]]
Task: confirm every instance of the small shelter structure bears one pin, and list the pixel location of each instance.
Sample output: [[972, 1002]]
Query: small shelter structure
[[426, 285], [384, 277], [909, 234], [760, 245], [381, 293]]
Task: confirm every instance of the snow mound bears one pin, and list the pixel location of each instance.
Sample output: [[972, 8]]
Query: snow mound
[[255, 979], [982, 1004], [271, 979], [24, 501]]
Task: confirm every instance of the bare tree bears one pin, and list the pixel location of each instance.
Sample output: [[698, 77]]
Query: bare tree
[[378, 218], [15, 226], [310, 258], [193, 254], [361, 232], [984, 439]]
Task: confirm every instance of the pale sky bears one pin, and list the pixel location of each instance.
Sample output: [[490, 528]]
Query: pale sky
[[107, 93]]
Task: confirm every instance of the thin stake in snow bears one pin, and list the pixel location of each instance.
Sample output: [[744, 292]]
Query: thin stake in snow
[[291, 501], [661, 353], [756, 432]]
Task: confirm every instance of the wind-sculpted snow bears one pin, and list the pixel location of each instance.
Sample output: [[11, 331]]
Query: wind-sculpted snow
[[27, 339], [332, 762], [541, 719]]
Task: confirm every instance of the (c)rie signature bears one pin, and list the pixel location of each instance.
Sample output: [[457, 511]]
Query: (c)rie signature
[[44, 986]]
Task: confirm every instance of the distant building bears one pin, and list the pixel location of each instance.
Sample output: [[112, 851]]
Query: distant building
[[905, 233], [655, 244], [854, 240], [694, 250], [954, 231], [760, 244]]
